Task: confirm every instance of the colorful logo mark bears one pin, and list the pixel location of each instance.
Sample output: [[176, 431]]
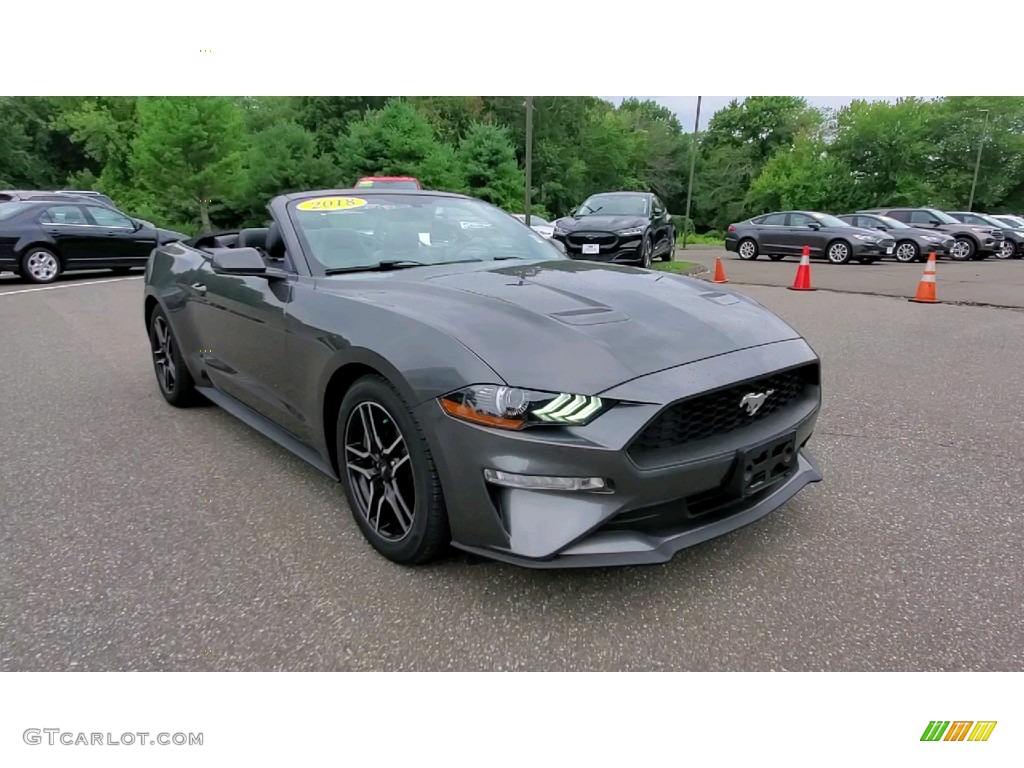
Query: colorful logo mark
[[958, 730]]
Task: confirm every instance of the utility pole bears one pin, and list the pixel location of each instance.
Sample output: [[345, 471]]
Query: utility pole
[[693, 163], [529, 157], [977, 163]]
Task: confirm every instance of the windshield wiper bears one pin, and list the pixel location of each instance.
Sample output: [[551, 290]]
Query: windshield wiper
[[381, 266], [506, 258]]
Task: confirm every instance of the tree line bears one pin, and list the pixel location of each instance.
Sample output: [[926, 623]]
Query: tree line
[[209, 162]]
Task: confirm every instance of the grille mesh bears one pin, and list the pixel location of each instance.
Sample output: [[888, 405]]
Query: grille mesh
[[719, 412]]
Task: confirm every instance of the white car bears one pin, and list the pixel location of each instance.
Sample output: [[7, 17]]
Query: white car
[[537, 224]]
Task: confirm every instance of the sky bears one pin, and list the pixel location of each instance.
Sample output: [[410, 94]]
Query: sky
[[685, 107]]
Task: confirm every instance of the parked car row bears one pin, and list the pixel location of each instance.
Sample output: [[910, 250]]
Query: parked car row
[[906, 234], [45, 233]]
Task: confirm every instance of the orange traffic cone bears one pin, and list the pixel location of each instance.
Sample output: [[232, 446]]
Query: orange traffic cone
[[926, 288], [803, 273], [719, 271]]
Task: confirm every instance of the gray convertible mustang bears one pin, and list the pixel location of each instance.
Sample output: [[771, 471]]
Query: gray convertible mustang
[[471, 385]]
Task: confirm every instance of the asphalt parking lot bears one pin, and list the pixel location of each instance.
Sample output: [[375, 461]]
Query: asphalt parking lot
[[990, 282], [134, 536]]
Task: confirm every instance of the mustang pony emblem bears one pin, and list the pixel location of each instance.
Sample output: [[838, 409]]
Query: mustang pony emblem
[[753, 401]]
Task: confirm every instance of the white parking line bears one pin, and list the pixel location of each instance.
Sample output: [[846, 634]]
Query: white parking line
[[69, 285]]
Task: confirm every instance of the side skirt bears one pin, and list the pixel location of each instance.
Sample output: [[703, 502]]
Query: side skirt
[[267, 428]]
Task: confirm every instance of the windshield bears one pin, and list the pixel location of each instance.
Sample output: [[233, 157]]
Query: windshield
[[893, 223], [1013, 221], [944, 218], [992, 221], [7, 210], [362, 232], [829, 221], [614, 205]]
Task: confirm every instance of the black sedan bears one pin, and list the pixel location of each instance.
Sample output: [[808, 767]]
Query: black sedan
[[1012, 245], [911, 244], [476, 386], [621, 227], [787, 233], [39, 239]]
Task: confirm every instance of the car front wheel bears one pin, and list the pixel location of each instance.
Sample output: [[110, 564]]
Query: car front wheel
[[172, 375], [1006, 250], [907, 252], [646, 250], [839, 252], [388, 474], [963, 249], [40, 265]]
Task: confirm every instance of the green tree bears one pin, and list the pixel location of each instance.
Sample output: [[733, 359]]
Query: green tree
[[488, 162], [805, 176], [188, 152], [397, 140]]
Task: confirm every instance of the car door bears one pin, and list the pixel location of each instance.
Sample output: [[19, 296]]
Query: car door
[[243, 320], [77, 240], [771, 233], [662, 224], [798, 233], [128, 245]]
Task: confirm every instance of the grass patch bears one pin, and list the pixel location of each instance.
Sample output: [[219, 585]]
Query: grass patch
[[709, 238], [674, 266]]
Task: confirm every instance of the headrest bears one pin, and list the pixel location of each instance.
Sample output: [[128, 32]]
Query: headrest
[[255, 237]]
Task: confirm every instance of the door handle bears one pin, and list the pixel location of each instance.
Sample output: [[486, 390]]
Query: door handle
[[199, 288]]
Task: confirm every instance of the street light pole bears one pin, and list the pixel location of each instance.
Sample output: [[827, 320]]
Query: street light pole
[[693, 163], [529, 157], [977, 162]]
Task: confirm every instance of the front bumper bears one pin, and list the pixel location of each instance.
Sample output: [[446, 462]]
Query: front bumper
[[611, 248], [657, 507], [862, 249]]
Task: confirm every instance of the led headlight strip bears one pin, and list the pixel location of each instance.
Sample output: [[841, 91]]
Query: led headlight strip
[[573, 409]]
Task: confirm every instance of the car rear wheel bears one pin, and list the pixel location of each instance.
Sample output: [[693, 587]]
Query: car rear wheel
[[1006, 250], [645, 253], [839, 252], [667, 256], [40, 265], [747, 249], [776, 256], [963, 249], [906, 251], [172, 375], [388, 474]]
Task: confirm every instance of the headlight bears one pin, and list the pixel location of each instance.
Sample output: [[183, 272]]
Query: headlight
[[979, 229], [560, 231], [513, 408], [1020, 232], [629, 231], [931, 238], [867, 238]]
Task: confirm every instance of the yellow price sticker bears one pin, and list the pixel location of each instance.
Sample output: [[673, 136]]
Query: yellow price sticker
[[331, 204]]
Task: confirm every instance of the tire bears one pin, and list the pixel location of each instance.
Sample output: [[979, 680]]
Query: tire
[[397, 468], [906, 252], [747, 249], [963, 249], [670, 254], [839, 252], [40, 265], [1006, 250], [172, 375], [646, 250], [776, 256]]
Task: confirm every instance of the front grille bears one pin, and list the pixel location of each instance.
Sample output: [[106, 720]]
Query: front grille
[[604, 239], [719, 412], [887, 243]]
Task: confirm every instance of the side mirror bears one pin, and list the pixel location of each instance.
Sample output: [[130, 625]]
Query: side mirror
[[935, 222], [882, 227], [558, 244], [814, 225], [238, 261]]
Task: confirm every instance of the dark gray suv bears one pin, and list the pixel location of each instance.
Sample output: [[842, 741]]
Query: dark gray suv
[[971, 242]]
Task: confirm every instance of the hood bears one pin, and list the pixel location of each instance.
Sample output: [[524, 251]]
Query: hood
[[601, 222], [574, 326]]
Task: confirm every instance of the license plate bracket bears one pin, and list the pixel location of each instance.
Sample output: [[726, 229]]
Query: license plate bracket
[[764, 465]]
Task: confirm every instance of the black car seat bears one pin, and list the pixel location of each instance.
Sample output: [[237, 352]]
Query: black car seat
[[336, 248], [255, 237], [400, 240], [275, 242]]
